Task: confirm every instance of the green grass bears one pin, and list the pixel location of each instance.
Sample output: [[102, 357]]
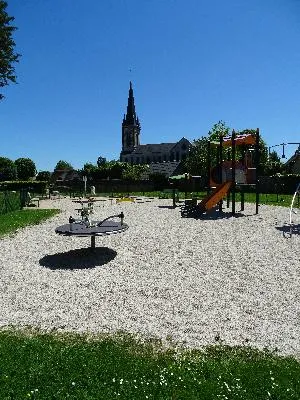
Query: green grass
[[14, 220], [45, 366]]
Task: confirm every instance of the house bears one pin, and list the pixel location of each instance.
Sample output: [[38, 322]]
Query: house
[[293, 164], [65, 176]]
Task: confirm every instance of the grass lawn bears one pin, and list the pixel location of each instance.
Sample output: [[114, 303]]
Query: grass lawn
[[14, 220], [41, 366]]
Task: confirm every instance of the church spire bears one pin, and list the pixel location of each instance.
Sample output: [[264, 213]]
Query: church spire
[[131, 118], [131, 127]]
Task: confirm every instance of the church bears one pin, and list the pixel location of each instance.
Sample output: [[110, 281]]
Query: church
[[164, 155]]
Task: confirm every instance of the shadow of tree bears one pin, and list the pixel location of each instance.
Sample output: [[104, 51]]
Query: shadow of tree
[[79, 258]]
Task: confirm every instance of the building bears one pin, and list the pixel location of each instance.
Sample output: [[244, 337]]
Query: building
[[293, 164], [160, 153]]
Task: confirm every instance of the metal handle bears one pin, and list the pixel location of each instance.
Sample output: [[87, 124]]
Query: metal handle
[[113, 216]]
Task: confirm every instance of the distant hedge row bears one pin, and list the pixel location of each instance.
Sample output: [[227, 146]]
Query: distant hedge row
[[285, 184], [34, 186]]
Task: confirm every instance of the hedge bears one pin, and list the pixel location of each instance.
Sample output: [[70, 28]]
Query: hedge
[[30, 186]]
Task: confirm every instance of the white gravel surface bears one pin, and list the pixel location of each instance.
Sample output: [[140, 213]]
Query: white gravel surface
[[166, 276]]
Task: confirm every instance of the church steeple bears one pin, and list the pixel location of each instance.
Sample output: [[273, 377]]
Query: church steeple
[[131, 118], [130, 126]]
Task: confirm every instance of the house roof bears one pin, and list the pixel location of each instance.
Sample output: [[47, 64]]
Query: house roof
[[294, 156], [63, 175], [167, 168]]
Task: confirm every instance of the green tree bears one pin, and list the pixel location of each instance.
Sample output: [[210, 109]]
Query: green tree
[[273, 165], [43, 176], [218, 129], [25, 168], [101, 161], [8, 170], [134, 172], [7, 54], [63, 165], [196, 161]]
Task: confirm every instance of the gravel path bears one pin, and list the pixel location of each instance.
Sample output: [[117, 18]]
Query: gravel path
[[166, 276]]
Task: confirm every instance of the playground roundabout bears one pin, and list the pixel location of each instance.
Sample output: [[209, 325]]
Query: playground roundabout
[[192, 282]]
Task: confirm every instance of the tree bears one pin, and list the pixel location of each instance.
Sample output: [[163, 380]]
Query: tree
[[217, 130], [196, 161], [7, 55], [8, 171], [101, 161], [25, 168], [273, 165], [63, 165], [134, 172], [43, 176]]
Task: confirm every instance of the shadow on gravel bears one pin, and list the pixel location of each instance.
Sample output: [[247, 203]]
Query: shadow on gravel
[[169, 207], [285, 229], [79, 259], [216, 215]]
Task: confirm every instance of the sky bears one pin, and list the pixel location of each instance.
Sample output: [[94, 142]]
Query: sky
[[192, 64]]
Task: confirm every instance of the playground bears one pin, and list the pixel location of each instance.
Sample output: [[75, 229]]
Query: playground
[[226, 279]]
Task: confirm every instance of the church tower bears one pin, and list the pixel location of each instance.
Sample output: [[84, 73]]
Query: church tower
[[130, 127]]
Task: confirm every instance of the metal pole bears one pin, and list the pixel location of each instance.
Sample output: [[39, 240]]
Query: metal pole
[[220, 169], [242, 199], [233, 171], [257, 166], [208, 166]]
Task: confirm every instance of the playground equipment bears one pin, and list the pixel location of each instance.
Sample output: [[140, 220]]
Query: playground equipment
[[292, 209], [231, 175], [121, 199]]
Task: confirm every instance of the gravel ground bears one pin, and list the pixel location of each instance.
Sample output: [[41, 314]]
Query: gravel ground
[[188, 280]]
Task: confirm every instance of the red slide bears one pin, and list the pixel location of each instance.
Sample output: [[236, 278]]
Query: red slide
[[213, 198]]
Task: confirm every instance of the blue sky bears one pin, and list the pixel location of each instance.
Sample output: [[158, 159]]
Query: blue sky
[[192, 63]]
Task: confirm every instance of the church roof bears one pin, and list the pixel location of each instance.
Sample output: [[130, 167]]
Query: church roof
[[153, 148]]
